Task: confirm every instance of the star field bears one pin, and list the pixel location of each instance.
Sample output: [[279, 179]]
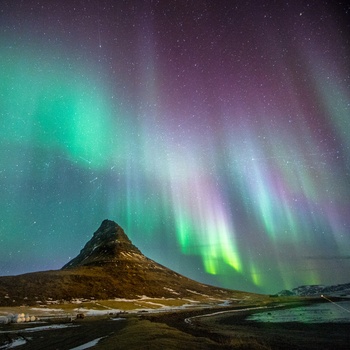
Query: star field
[[215, 133]]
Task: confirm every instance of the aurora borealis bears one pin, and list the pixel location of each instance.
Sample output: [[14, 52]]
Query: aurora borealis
[[216, 133]]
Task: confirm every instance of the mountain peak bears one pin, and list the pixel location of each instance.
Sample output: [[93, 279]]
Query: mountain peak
[[106, 224], [108, 244]]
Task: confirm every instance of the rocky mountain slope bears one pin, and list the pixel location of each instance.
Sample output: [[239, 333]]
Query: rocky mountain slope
[[109, 266], [109, 244], [339, 290]]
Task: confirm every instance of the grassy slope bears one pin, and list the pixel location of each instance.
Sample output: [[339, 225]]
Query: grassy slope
[[105, 282]]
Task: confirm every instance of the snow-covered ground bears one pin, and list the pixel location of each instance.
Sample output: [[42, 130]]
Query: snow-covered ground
[[111, 307], [40, 328], [14, 344], [88, 345]]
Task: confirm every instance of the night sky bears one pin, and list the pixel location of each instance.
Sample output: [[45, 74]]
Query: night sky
[[216, 133]]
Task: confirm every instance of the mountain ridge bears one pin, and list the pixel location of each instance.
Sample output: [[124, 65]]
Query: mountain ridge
[[337, 290], [109, 266]]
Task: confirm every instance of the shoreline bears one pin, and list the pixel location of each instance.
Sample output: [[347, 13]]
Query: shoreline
[[210, 328], [231, 329]]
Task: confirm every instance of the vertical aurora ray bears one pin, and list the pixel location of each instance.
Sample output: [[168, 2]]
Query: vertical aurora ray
[[287, 194], [203, 225]]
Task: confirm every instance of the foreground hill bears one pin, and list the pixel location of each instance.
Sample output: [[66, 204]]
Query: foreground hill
[[109, 266]]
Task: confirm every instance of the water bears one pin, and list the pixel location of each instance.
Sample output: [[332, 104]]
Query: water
[[317, 313]]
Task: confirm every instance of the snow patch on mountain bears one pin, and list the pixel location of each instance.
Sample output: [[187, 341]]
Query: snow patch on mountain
[[339, 290]]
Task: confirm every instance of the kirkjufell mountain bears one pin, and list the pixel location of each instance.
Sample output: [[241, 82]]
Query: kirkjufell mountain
[[109, 245], [109, 266]]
